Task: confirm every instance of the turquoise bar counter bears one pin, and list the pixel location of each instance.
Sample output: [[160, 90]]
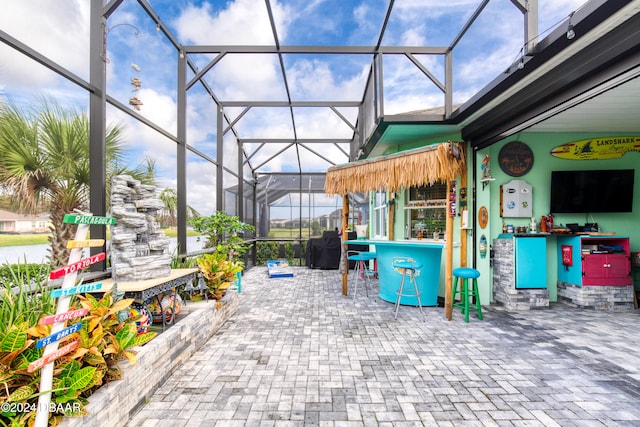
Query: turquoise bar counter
[[429, 253]]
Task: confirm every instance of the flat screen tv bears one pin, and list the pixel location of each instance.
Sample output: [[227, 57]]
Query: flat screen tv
[[592, 191]]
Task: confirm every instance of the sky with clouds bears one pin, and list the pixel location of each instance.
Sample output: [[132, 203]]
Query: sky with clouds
[[59, 30]]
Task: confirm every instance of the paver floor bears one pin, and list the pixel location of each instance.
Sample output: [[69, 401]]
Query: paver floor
[[298, 353]]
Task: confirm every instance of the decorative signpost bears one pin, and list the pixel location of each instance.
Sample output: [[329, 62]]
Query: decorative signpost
[[57, 321], [89, 243]]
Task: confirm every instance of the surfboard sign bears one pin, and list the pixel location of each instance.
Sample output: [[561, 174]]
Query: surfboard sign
[[612, 147]]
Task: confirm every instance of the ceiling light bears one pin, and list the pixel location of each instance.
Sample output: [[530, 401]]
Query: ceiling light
[[570, 31]]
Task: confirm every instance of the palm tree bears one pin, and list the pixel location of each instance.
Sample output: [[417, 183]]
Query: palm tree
[[45, 164], [169, 198], [167, 217]]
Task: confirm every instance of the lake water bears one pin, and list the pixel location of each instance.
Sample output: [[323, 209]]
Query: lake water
[[38, 253]]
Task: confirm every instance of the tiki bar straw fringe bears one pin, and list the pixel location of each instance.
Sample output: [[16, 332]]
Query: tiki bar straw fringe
[[422, 166]]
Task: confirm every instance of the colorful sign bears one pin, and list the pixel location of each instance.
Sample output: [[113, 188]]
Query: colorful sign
[[74, 290], [43, 342], [88, 219], [71, 268], [37, 364], [63, 317], [597, 148], [89, 243]]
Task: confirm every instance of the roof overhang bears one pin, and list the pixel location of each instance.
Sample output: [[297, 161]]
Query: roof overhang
[[557, 75]]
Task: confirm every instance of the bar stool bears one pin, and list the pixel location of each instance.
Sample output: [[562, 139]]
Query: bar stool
[[467, 292], [361, 268], [407, 267]]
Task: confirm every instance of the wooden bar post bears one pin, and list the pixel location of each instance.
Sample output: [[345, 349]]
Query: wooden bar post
[[448, 297], [345, 236], [463, 233], [392, 217]]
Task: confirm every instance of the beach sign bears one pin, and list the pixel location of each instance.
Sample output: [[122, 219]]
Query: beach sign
[[89, 243], [597, 148], [74, 290], [43, 342], [63, 317], [45, 360], [88, 219], [76, 266]]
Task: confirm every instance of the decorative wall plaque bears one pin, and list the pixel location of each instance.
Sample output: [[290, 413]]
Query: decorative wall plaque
[[515, 158]]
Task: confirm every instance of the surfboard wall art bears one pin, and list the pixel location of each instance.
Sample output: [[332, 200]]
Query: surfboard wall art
[[612, 147]]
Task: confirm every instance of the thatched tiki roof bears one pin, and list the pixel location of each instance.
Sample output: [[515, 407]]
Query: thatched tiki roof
[[421, 166]]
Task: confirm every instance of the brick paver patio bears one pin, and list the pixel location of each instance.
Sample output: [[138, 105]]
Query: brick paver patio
[[298, 353]]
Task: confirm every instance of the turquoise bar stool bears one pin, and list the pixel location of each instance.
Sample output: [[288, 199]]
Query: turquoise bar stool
[[361, 268], [407, 267], [466, 292]]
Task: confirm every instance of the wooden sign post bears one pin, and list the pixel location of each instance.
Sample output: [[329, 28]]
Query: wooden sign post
[[58, 329]]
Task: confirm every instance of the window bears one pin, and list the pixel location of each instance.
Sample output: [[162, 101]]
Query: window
[[426, 210], [380, 216]]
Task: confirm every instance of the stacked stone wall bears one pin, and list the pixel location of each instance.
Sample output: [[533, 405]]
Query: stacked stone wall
[[139, 249]]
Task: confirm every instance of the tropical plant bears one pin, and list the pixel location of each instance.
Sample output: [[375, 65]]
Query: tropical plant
[[167, 217], [23, 295], [219, 272], [104, 340], [45, 164], [224, 232]]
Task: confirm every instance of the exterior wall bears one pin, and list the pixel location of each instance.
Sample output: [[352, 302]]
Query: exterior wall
[[539, 177]]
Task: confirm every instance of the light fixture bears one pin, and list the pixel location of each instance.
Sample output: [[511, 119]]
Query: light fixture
[[158, 27], [181, 55], [521, 63], [570, 31]]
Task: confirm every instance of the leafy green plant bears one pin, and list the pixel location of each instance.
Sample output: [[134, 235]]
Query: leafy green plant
[[224, 232], [23, 295], [266, 251], [103, 342], [218, 272], [104, 339]]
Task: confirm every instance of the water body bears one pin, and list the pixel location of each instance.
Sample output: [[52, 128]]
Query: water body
[[38, 253]]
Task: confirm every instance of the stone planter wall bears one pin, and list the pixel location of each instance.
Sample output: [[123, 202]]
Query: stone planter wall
[[114, 403]]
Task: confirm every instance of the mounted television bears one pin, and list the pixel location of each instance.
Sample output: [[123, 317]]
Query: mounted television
[[592, 191]]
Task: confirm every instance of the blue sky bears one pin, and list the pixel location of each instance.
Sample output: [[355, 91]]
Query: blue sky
[[60, 30]]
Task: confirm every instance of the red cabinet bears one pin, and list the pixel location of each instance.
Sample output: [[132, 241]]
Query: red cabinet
[[594, 260], [606, 269]]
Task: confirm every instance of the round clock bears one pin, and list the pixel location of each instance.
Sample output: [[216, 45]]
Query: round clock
[[515, 158]]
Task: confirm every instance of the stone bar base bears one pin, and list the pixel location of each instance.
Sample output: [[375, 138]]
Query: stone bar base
[[504, 290], [598, 297], [521, 299]]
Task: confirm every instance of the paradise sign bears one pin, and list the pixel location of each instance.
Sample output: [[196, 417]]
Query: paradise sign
[[597, 148]]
